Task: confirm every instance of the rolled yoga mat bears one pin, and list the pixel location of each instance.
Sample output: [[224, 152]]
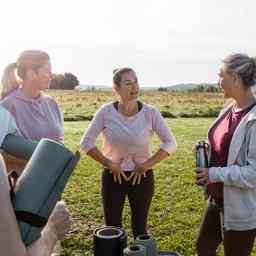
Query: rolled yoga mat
[[40, 186], [18, 146], [149, 243], [109, 241], [135, 250]]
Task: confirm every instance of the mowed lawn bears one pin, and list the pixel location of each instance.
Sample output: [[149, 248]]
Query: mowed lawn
[[177, 205]]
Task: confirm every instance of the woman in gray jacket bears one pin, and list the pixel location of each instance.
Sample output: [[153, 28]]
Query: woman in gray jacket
[[231, 178]]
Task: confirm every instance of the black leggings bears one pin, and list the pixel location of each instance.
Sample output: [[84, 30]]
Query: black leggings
[[236, 243], [139, 196]]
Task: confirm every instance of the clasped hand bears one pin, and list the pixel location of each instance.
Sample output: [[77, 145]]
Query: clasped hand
[[135, 176]]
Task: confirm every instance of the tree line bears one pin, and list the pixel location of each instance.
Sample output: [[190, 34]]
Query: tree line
[[66, 81]]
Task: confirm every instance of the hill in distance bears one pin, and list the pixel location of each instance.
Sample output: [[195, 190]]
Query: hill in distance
[[177, 87]]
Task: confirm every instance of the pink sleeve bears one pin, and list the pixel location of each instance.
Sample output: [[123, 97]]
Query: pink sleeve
[[166, 136], [60, 120], [94, 129], [7, 103]]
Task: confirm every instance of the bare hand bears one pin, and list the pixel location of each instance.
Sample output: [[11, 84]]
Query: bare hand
[[138, 172], [202, 176], [117, 172], [59, 220]]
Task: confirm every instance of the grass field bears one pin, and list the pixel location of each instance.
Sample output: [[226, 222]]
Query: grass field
[[82, 105]]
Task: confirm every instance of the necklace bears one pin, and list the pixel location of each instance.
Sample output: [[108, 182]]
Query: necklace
[[236, 109]]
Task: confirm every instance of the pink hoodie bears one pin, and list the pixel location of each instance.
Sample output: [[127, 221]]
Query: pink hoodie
[[36, 118]]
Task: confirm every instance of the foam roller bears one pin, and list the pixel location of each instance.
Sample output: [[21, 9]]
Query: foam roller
[[18, 146], [40, 186], [135, 250], [109, 241], [149, 243]]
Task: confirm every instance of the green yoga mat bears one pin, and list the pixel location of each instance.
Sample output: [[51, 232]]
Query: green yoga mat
[[18, 146], [40, 186]]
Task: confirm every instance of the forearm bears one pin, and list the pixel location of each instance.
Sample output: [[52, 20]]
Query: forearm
[[44, 245], [155, 159], [234, 175], [95, 154], [11, 242]]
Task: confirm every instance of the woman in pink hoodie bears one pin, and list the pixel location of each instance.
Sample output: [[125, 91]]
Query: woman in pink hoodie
[[36, 114]]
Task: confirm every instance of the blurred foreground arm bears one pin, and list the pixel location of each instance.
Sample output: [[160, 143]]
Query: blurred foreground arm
[[10, 240]]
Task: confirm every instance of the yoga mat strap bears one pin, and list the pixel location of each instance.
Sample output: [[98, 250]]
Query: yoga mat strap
[[31, 218]]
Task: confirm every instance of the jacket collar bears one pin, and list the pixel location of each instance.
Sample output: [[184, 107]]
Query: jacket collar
[[239, 134]]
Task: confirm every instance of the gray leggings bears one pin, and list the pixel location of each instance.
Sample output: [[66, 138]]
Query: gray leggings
[[139, 197]]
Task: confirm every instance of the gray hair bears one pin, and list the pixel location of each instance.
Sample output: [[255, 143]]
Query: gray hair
[[243, 66]]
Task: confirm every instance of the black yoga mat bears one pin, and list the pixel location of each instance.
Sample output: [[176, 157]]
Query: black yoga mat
[[109, 241]]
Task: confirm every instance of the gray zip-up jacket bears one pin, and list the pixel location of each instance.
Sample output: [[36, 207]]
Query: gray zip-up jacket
[[239, 177]]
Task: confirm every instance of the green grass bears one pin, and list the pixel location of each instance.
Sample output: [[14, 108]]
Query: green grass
[[80, 106], [177, 206]]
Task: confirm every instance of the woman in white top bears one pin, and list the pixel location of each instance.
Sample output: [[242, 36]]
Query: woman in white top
[[127, 126]]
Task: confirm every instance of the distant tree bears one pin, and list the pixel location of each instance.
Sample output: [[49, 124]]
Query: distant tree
[[200, 88], [205, 88], [213, 89], [68, 81], [162, 89], [56, 81]]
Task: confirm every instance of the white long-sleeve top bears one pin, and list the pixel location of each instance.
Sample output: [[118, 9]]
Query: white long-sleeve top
[[126, 140]]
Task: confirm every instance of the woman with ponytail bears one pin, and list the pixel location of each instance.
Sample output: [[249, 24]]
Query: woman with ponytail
[[37, 115]]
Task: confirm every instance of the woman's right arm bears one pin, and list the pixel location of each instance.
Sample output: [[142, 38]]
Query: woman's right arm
[[11, 243], [88, 145], [96, 126]]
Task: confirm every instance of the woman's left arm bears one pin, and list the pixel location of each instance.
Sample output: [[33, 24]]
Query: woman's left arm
[[236, 175], [168, 146], [60, 120], [168, 142]]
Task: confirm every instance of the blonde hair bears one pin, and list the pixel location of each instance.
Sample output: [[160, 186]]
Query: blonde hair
[[16, 72]]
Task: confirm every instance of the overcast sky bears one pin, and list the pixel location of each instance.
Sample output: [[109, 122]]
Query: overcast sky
[[166, 41]]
